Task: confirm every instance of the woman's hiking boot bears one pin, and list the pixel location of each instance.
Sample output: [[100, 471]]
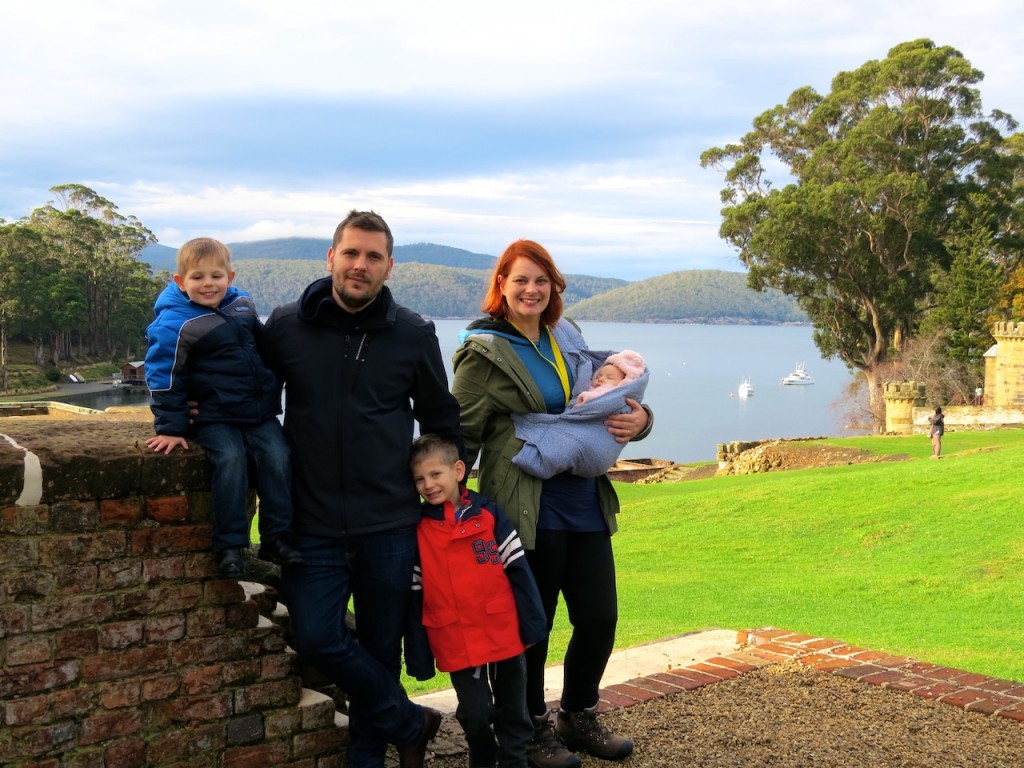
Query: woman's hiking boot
[[582, 732], [546, 750]]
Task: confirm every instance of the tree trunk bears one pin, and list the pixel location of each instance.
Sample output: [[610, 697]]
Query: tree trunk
[[876, 400]]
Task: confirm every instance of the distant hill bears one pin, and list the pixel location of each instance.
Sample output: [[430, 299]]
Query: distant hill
[[161, 257], [440, 281], [691, 296]]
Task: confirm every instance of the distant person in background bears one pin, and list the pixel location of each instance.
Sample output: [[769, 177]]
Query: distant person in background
[[202, 348], [938, 426], [577, 439], [516, 361]]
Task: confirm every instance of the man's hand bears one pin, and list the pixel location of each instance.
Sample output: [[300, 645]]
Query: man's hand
[[166, 443]]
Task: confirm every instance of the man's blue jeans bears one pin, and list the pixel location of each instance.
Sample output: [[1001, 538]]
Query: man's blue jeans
[[229, 448], [376, 569]]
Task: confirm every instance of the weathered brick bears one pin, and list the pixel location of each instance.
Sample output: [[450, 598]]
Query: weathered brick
[[205, 679], [223, 592], [34, 678], [19, 553], [106, 726], [120, 634], [207, 649], [241, 671], [242, 615], [156, 569], [275, 693], [167, 509], [27, 586], [213, 707], [82, 548], [245, 729], [76, 579], [168, 746], [66, 612], [120, 512], [285, 721], [126, 753], [165, 629], [25, 521], [171, 597], [119, 574], [42, 740], [78, 516], [72, 702], [319, 742], [74, 643], [277, 665], [15, 619], [27, 710], [121, 694], [29, 649], [120, 664], [84, 758], [317, 710], [258, 755], [171, 540], [160, 687], [206, 621]]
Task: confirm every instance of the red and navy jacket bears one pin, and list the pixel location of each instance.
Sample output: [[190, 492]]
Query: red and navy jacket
[[480, 603]]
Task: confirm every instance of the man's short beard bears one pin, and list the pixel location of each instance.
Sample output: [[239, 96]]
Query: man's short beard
[[354, 302]]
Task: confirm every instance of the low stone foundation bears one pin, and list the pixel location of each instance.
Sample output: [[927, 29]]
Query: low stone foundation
[[119, 644]]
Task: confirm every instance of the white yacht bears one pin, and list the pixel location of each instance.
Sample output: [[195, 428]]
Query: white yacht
[[798, 377], [745, 389]]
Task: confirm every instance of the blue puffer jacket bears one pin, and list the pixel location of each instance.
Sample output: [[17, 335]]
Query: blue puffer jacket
[[210, 356]]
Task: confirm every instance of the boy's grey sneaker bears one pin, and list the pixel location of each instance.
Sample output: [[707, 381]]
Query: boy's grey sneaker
[[583, 732], [546, 750]]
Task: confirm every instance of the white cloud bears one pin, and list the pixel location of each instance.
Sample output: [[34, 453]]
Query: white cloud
[[74, 72]]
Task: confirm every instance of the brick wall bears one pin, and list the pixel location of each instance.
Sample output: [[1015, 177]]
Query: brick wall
[[119, 645]]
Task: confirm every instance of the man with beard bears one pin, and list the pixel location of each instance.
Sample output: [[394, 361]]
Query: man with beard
[[358, 370]]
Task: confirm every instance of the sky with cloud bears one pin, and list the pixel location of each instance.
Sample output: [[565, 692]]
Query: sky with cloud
[[575, 123]]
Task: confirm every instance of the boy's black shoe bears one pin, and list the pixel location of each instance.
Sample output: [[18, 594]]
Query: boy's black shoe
[[280, 552], [230, 564]]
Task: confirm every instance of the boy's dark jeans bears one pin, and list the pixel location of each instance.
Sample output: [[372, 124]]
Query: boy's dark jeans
[[229, 448], [492, 712]]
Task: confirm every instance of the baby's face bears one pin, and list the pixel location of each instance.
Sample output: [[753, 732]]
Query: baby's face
[[607, 375]]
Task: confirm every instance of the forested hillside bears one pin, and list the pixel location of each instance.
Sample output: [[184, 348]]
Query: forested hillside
[[430, 289], [691, 296], [698, 296], [161, 257]]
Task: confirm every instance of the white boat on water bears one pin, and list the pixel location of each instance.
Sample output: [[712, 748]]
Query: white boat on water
[[798, 377], [745, 389]]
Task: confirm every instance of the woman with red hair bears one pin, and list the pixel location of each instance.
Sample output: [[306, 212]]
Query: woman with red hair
[[515, 360]]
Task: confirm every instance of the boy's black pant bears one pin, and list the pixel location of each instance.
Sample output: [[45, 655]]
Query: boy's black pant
[[492, 712]]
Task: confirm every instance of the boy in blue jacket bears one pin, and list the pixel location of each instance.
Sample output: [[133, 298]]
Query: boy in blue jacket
[[202, 349], [480, 605]]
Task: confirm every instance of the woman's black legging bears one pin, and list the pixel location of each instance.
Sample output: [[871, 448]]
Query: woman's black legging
[[582, 568]]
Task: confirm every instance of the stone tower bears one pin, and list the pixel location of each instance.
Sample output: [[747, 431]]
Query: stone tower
[[900, 400], [1007, 388]]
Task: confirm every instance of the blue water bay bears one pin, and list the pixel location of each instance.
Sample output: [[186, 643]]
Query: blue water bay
[[695, 373]]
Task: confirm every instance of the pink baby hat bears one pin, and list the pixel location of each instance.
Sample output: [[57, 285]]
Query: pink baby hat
[[629, 362]]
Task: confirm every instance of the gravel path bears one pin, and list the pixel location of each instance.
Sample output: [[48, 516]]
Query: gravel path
[[787, 716]]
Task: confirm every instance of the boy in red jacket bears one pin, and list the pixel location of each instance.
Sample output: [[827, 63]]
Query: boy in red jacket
[[481, 608]]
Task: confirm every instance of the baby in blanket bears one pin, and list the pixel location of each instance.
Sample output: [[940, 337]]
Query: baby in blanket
[[576, 440]]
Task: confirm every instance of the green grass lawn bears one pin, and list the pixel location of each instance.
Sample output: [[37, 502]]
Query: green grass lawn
[[914, 557]]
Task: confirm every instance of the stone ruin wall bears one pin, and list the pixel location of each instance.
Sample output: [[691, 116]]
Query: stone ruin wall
[[119, 644]]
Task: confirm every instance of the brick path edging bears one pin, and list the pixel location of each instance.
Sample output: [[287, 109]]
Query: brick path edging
[[769, 645]]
